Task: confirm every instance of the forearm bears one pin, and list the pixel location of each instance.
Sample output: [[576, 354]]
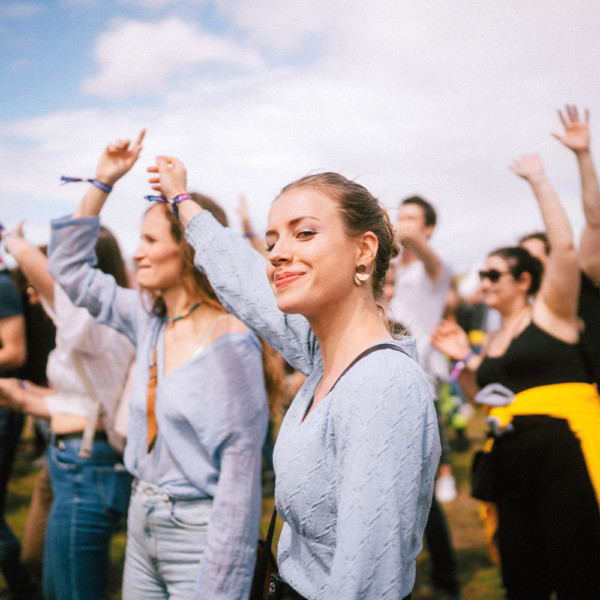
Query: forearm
[[227, 566], [589, 247], [237, 274], [13, 350], [421, 248], [558, 228], [468, 380], [12, 357], [19, 396], [34, 264], [590, 189], [92, 202]]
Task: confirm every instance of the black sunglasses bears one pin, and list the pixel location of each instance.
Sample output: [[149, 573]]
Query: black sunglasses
[[493, 275]]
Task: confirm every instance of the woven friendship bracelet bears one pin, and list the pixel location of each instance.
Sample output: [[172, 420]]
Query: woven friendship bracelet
[[177, 200], [101, 186], [460, 365]]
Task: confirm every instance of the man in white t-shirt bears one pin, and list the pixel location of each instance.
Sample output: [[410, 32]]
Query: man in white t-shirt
[[421, 287], [422, 284]]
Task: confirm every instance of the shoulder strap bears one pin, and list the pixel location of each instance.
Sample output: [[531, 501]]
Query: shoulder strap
[[382, 346], [210, 330], [260, 572]]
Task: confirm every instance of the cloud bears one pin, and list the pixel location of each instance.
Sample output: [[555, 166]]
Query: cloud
[[435, 99], [20, 10], [139, 58]]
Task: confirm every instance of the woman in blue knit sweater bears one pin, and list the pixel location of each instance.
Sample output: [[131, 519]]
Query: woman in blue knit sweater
[[358, 449]]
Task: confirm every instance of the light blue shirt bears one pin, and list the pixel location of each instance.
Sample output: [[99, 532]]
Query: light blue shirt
[[354, 480], [211, 413]]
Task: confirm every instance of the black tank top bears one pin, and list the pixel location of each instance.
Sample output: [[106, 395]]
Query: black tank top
[[534, 358]]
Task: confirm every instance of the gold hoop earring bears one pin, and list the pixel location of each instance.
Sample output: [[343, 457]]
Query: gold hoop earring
[[360, 276]]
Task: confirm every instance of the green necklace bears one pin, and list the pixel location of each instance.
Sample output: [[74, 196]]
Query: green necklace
[[188, 312]]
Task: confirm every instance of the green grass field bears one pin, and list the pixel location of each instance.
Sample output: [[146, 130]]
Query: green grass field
[[479, 577]]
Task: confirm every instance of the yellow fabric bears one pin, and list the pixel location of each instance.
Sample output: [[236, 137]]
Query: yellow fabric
[[577, 403]]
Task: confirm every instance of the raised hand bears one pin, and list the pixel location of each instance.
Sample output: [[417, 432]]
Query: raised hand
[[15, 232], [172, 176], [448, 337], [529, 167], [577, 133], [118, 158]]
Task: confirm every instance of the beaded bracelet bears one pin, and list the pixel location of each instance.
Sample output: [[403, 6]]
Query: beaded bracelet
[[459, 366], [174, 202], [96, 182]]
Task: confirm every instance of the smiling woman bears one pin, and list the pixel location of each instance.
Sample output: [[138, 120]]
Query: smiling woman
[[198, 411], [358, 448]]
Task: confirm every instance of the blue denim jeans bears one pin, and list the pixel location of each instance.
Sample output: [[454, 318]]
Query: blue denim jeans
[[166, 538], [90, 495]]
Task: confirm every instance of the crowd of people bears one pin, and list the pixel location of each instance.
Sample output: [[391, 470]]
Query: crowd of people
[[356, 309]]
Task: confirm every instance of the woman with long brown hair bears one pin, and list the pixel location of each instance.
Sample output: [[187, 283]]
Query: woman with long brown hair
[[198, 411]]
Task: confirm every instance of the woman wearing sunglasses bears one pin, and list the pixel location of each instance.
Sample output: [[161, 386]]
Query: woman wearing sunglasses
[[547, 414]]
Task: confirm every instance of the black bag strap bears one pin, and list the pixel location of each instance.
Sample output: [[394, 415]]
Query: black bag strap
[[261, 571], [258, 582], [382, 346]]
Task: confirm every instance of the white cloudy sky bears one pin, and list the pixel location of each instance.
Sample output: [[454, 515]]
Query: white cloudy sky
[[434, 97]]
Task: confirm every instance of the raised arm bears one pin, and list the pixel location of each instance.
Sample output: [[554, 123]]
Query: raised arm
[[236, 272], [249, 233], [411, 237], [576, 137], [116, 160], [33, 262], [556, 303]]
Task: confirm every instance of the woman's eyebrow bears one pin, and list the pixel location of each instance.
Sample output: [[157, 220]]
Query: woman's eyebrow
[[292, 223]]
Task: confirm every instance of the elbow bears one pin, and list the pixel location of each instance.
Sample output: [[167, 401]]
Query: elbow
[[15, 359]]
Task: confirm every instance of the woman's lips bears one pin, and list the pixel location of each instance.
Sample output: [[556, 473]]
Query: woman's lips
[[283, 279]]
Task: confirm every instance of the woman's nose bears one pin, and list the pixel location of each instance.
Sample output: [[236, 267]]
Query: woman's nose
[[280, 252]]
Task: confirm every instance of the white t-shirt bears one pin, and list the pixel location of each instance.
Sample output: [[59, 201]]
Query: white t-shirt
[[104, 353], [418, 304]]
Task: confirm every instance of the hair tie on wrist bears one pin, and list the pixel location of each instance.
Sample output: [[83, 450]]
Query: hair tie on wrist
[[96, 182], [249, 235], [174, 202], [459, 366]]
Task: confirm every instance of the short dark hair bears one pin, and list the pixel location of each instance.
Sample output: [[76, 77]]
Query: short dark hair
[[428, 210], [520, 261], [538, 235]]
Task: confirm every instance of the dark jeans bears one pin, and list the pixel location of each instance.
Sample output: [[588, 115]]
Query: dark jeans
[[90, 496], [15, 574], [441, 551]]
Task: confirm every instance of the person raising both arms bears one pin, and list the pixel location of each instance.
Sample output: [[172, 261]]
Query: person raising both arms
[[546, 484]]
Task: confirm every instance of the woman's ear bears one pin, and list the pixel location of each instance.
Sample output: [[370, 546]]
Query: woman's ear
[[525, 280], [368, 246]]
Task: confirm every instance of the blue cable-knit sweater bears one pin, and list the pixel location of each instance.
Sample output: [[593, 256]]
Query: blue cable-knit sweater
[[354, 479]]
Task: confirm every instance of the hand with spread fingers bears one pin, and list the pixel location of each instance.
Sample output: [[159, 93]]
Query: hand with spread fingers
[[529, 167], [577, 132]]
